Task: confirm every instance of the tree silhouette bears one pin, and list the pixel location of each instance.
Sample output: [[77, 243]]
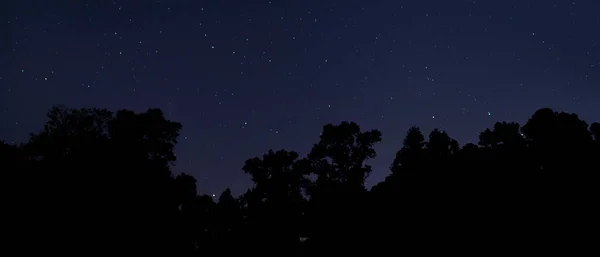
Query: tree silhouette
[[339, 157], [101, 173], [94, 181], [412, 154], [595, 130], [559, 140], [276, 202], [506, 147], [338, 161], [440, 148]]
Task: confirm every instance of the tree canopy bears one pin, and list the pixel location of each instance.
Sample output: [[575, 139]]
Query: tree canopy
[[93, 181]]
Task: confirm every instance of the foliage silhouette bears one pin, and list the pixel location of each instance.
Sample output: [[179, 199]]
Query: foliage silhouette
[[93, 181]]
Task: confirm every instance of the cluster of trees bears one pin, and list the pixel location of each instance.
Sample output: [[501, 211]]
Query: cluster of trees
[[97, 182]]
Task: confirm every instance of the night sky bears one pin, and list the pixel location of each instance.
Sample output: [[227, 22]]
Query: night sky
[[246, 76]]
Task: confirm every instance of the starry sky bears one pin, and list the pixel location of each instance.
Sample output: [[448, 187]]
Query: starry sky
[[247, 76]]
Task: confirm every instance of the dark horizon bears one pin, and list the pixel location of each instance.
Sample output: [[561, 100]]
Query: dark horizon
[[93, 181]]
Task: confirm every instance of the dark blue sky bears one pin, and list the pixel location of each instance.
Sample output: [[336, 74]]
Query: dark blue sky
[[247, 76]]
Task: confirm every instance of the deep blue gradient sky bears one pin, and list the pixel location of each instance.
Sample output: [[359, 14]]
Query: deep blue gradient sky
[[247, 76]]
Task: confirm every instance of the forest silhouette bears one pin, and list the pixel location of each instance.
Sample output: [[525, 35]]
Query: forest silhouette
[[97, 182]]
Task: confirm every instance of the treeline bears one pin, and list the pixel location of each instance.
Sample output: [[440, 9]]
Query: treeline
[[94, 182]]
